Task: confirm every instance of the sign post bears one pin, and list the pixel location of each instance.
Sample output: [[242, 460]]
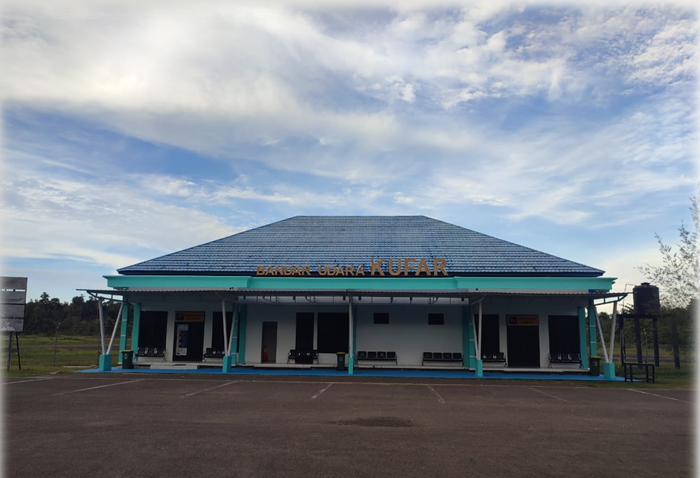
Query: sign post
[[13, 298]]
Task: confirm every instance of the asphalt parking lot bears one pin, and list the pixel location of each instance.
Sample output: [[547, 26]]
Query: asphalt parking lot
[[153, 426]]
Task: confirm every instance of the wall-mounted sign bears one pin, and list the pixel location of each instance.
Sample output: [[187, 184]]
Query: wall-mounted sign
[[523, 319], [189, 316], [378, 268]]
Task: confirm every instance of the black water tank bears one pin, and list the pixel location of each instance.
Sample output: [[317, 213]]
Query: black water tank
[[646, 300]]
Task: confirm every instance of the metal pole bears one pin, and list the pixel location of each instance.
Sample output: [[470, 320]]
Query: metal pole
[[102, 326], [638, 339], [656, 340], [55, 345], [116, 323], [19, 356], [9, 355], [612, 331], [600, 331], [223, 318]]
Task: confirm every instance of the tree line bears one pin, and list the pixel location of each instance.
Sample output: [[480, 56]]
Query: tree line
[[80, 316]]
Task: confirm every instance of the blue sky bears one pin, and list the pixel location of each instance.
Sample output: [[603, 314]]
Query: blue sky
[[135, 130]]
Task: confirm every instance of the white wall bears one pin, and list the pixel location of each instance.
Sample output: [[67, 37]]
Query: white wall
[[408, 333]]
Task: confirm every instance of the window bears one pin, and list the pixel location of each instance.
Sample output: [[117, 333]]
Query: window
[[436, 319], [381, 317]]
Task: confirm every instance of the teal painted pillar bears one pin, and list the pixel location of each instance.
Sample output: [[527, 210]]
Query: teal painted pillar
[[609, 370], [105, 363], [592, 334], [465, 337], [351, 355], [124, 329], [228, 361], [472, 343], [479, 368], [583, 341], [242, 321], [354, 331], [135, 329]]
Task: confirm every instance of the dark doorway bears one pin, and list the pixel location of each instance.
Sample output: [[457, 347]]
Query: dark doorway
[[523, 341], [564, 335], [333, 332], [218, 341], [153, 327], [490, 340], [268, 351], [305, 336], [189, 342]]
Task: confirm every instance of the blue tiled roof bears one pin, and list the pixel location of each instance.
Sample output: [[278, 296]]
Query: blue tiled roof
[[354, 241]]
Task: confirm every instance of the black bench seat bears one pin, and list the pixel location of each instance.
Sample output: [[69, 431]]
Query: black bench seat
[[377, 356], [564, 358], [497, 357], [441, 357], [303, 356]]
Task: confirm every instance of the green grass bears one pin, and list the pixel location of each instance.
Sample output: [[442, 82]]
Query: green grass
[[37, 355]]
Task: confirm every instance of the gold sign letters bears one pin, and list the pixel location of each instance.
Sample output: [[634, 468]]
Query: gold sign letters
[[395, 268]]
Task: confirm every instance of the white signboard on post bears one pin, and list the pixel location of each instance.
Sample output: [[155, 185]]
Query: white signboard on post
[[13, 297]]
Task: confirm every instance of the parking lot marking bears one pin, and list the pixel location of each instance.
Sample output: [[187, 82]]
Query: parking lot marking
[[319, 393], [207, 389], [548, 394], [439, 397], [26, 381], [99, 386], [660, 396]]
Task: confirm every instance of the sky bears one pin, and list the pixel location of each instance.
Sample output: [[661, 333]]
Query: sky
[[132, 130]]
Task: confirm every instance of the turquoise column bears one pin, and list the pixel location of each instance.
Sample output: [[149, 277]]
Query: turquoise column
[[592, 334], [583, 342], [468, 349], [242, 321], [231, 359], [351, 353], [124, 329], [135, 329]]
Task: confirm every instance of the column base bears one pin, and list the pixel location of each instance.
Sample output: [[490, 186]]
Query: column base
[[479, 368], [351, 366], [229, 361], [609, 370], [105, 363]]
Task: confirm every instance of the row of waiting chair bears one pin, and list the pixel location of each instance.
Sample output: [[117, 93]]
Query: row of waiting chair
[[564, 358], [442, 357], [150, 352], [213, 353], [379, 356], [303, 356]]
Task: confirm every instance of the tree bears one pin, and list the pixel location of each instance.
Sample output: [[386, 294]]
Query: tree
[[677, 277]]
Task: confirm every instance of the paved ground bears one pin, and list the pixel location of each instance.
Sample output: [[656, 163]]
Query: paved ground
[[153, 426]]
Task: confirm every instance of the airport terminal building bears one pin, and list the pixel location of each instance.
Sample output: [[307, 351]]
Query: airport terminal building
[[388, 291]]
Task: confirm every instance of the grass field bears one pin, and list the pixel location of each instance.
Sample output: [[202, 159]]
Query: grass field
[[37, 355]]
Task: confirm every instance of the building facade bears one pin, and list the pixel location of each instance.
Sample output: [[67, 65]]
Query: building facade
[[393, 291]]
